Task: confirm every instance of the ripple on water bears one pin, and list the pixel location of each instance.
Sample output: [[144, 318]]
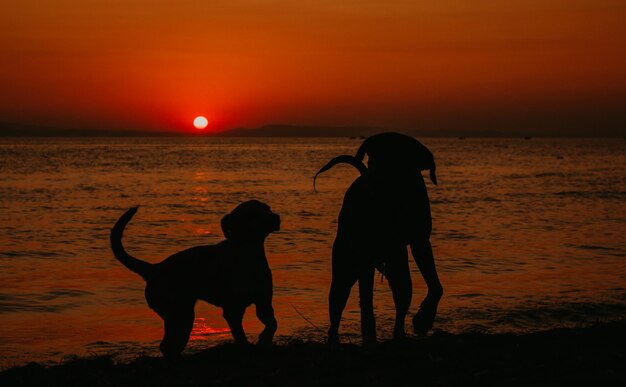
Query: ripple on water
[[502, 215], [50, 301]]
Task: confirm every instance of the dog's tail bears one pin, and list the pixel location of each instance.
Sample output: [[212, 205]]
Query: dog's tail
[[138, 266], [355, 162]]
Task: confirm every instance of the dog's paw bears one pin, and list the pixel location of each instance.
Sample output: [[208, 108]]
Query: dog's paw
[[369, 342], [332, 341], [264, 340], [243, 343], [399, 334], [266, 337], [425, 317]]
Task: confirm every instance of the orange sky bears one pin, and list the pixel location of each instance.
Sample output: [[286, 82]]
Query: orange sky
[[447, 64]]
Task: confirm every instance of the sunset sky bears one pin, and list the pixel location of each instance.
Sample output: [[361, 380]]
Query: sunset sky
[[553, 65]]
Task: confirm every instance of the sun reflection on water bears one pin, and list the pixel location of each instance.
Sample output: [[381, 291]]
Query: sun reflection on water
[[202, 329]]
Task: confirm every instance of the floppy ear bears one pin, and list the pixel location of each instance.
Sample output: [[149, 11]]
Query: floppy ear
[[228, 225], [433, 175]]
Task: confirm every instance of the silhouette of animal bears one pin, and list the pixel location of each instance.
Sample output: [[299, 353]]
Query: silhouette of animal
[[384, 210], [232, 274]]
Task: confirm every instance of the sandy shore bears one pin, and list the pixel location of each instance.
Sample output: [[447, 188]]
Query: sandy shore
[[594, 356]]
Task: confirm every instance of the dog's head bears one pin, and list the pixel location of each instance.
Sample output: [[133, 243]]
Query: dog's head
[[251, 220], [388, 154], [394, 152]]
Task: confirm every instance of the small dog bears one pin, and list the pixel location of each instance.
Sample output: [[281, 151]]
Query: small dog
[[232, 274], [384, 210]]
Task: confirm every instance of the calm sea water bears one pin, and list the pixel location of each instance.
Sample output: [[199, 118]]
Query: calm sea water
[[527, 235]]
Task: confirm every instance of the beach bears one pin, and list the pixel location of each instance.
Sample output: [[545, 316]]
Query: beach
[[593, 355]]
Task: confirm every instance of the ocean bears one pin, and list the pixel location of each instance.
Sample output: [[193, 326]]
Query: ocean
[[527, 235]]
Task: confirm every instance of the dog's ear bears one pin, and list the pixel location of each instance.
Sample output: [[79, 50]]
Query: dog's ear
[[228, 225]]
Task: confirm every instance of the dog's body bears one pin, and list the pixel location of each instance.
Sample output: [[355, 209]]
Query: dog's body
[[384, 210], [232, 274]]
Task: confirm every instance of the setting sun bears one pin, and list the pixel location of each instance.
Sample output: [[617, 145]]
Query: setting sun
[[200, 122]]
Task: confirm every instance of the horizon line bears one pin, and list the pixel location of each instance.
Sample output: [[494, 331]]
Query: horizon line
[[17, 130]]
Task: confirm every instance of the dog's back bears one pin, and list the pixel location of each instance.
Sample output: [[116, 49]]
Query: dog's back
[[385, 209], [219, 274]]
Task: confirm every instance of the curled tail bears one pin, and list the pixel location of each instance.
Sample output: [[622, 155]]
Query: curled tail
[[138, 266], [354, 161]]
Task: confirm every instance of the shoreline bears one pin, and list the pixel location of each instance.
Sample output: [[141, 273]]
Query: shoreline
[[592, 355]]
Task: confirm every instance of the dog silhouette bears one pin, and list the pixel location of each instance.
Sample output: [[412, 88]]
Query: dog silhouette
[[232, 274], [384, 210]]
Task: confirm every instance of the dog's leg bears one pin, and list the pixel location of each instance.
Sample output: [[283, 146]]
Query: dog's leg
[[399, 276], [234, 317], [265, 314], [178, 325], [344, 277], [425, 316], [366, 301]]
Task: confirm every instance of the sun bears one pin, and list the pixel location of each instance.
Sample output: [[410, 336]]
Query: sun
[[200, 122]]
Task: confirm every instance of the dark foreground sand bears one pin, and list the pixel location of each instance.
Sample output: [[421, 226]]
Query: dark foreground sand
[[591, 356]]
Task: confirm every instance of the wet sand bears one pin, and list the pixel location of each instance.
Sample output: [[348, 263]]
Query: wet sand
[[594, 356]]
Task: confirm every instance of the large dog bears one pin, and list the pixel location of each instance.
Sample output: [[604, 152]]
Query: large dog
[[232, 274], [384, 210]]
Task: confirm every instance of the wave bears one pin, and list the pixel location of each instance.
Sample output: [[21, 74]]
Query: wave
[[533, 318], [51, 301], [592, 194]]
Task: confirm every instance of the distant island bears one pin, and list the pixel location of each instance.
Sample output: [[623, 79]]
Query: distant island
[[302, 131], [22, 130]]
